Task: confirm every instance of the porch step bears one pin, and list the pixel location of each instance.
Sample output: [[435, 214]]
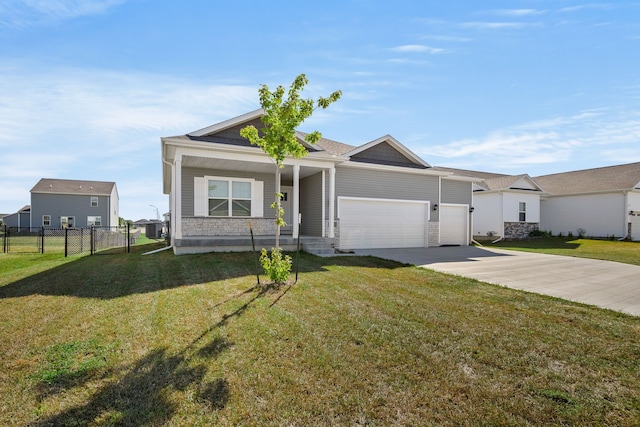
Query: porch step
[[319, 247]]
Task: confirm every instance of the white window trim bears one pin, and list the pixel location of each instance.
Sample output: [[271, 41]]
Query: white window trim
[[46, 220], [94, 221], [201, 196], [522, 211], [91, 202]]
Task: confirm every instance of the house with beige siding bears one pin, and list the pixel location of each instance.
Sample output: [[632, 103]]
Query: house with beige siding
[[337, 198]]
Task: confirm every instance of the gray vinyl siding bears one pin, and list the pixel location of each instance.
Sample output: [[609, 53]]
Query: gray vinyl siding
[[188, 174], [234, 132], [311, 205], [456, 192], [383, 154], [75, 205], [356, 182]]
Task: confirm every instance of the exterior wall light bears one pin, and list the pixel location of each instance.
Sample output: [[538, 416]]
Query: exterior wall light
[[435, 207], [471, 209]]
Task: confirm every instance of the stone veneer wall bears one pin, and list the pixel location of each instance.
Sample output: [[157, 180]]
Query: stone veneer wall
[[433, 234], [519, 230], [210, 226]]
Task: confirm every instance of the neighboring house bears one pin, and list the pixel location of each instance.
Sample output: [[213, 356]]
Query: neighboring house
[[600, 202], [504, 206], [379, 194], [61, 203], [20, 220]]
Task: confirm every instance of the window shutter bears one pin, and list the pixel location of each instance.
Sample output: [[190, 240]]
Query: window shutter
[[257, 197], [200, 199]]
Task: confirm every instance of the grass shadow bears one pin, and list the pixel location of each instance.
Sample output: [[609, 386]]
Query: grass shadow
[[117, 275]]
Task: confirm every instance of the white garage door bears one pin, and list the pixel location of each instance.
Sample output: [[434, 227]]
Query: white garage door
[[635, 227], [453, 224], [382, 223]]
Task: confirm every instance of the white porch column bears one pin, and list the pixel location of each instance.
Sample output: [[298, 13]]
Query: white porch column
[[332, 202], [324, 203], [177, 179], [296, 200]]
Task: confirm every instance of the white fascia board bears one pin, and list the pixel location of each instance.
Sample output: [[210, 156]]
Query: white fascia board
[[462, 178], [233, 152], [395, 143], [228, 123], [373, 166]]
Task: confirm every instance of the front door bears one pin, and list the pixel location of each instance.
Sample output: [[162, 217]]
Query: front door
[[287, 205]]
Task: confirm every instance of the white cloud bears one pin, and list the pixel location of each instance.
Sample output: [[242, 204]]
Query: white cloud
[[555, 140], [22, 13], [497, 25], [519, 12], [417, 48]]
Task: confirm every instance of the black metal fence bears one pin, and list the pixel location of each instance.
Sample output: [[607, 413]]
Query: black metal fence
[[67, 241]]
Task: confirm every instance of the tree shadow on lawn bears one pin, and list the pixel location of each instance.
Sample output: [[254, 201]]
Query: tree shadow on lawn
[[118, 275], [140, 396]]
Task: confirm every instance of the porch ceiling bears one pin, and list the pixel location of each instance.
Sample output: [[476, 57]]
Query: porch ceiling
[[244, 166]]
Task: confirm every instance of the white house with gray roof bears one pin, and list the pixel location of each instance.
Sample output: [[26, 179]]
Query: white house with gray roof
[[61, 203], [601, 202], [376, 195], [504, 206]]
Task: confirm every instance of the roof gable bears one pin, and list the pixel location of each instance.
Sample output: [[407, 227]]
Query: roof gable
[[509, 182], [386, 150], [72, 186], [609, 178], [218, 127]]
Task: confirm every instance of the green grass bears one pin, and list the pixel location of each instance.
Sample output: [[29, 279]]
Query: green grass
[[127, 339], [610, 250]]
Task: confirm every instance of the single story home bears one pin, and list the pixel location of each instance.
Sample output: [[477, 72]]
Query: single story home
[[505, 206], [600, 202], [339, 197]]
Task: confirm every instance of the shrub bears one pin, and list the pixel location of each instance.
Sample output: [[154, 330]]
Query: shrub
[[275, 265], [581, 233]]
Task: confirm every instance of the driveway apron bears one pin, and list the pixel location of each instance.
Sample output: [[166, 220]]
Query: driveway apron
[[605, 284]]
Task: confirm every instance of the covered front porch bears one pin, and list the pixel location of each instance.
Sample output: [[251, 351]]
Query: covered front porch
[[308, 185]]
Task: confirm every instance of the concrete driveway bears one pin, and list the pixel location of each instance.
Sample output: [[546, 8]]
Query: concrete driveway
[[605, 284]]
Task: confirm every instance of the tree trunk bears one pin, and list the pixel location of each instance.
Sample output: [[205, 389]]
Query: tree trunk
[[277, 207]]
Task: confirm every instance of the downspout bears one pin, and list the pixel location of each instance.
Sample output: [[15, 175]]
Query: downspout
[[171, 208]]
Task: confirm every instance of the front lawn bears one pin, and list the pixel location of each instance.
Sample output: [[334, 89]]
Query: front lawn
[[610, 250], [126, 339]]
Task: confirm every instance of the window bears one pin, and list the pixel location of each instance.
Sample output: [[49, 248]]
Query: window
[[523, 212], [94, 220], [67, 221], [94, 202], [46, 220], [229, 197]]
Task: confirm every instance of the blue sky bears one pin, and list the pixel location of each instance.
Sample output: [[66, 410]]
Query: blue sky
[[88, 87]]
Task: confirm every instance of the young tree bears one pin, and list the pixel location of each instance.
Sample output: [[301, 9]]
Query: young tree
[[280, 119], [278, 140]]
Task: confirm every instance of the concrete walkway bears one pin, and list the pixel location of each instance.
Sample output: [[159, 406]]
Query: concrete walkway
[[606, 284]]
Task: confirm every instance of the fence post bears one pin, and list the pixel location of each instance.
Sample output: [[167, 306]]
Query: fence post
[[66, 242], [42, 236], [4, 240], [128, 238], [92, 234]]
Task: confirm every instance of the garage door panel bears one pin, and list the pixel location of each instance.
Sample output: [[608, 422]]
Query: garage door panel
[[366, 223], [635, 227], [453, 225]]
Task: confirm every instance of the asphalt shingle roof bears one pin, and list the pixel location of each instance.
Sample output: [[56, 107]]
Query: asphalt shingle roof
[[71, 186], [620, 177]]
